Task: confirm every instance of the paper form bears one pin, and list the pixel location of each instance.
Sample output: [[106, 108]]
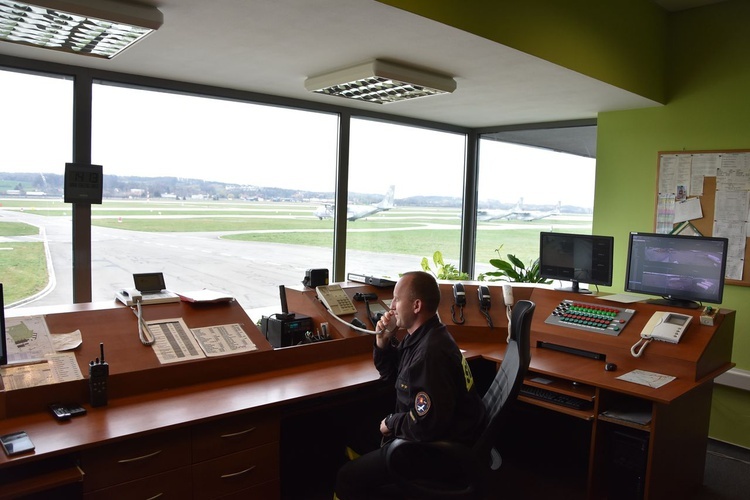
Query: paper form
[[703, 165], [649, 379], [734, 173], [28, 339], [687, 210], [223, 339], [61, 367], [734, 231], [674, 175], [173, 341]]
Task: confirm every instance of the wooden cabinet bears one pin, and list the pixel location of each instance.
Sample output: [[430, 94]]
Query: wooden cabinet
[[124, 461], [236, 454], [206, 460]]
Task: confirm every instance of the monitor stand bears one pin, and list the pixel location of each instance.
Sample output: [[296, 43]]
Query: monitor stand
[[573, 288], [666, 301]]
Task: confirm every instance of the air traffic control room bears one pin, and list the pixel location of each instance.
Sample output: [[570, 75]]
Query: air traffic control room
[[651, 94]]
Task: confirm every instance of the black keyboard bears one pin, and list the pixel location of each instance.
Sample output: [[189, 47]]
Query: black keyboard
[[556, 398]]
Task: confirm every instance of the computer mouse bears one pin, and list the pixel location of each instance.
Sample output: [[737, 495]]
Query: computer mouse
[[610, 367]]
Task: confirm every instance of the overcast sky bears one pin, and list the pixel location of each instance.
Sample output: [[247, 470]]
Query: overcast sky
[[153, 134]]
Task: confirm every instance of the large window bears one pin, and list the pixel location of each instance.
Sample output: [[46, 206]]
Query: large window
[[523, 190], [423, 169], [214, 193], [35, 143]]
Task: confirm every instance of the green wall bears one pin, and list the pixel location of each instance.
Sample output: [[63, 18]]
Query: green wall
[[620, 42], [708, 108], [695, 61]]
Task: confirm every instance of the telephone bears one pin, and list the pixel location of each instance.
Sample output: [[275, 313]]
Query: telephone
[[485, 301], [483, 294], [509, 301], [459, 294], [459, 301], [508, 294], [335, 299], [664, 326]]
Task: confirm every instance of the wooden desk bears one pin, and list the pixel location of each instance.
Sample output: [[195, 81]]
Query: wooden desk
[[172, 416]]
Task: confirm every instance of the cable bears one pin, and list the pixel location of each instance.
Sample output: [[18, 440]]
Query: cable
[[636, 351], [143, 332], [460, 320], [362, 330], [486, 313]]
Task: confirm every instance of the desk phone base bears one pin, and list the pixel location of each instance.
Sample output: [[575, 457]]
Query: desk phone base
[[590, 317]]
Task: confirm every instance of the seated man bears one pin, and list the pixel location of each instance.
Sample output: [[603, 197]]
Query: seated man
[[435, 394]]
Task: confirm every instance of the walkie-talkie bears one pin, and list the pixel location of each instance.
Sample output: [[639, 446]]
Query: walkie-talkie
[[98, 375]]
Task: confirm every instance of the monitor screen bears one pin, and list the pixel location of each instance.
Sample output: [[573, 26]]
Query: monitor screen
[[578, 258], [3, 350], [684, 270]]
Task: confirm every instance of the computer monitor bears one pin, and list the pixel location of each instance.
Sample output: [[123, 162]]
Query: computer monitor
[[683, 270], [3, 350], [578, 258]]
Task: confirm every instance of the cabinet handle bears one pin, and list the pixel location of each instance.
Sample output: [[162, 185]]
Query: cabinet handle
[[235, 434], [128, 460], [158, 495], [235, 474]]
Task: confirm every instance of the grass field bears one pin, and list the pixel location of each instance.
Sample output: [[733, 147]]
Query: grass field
[[417, 231]]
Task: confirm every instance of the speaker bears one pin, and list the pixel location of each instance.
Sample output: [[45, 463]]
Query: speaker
[[315, 277]]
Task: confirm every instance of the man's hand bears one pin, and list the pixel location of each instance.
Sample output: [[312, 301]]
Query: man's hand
[[387, 327], [384, 430]]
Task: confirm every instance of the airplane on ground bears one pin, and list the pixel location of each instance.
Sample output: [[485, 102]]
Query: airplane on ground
[[516, 213], [354, 212]]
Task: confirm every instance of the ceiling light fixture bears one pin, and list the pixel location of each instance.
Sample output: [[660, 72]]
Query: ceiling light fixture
[[101, 28], [380, 82]]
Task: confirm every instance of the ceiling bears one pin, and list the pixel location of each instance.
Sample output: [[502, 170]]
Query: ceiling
[[271, 46]]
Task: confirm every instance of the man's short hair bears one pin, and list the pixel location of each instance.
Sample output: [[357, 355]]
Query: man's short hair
[[423, 286]]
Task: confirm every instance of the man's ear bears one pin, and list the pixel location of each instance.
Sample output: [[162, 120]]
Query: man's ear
[[417, 306]]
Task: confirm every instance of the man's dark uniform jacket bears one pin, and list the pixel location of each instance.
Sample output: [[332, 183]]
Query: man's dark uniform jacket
[[435, 394]]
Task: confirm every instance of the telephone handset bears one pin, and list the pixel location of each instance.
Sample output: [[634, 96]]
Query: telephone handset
[[459, 294], [664, 326], [508, 294], [483, 294], [459, 301], [335, 299], [509, 301], [485, 301]]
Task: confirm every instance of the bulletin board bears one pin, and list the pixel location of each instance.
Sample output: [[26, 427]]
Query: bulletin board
[[708, 193]]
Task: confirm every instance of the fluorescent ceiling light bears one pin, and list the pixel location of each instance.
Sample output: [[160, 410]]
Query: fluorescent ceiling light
[[101, 28], [380, 82]]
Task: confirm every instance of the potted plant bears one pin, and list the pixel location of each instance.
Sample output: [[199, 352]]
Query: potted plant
[[513, 269]]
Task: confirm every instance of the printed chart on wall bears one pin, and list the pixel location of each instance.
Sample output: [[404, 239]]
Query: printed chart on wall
[[707, 193]]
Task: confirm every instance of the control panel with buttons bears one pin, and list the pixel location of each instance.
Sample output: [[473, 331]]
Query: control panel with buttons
[[591, 317]]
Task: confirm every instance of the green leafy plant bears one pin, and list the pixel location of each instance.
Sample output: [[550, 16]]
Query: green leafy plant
[[442, 270], [513, 269]]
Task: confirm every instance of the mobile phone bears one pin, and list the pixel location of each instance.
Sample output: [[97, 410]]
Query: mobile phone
[[16, 442]]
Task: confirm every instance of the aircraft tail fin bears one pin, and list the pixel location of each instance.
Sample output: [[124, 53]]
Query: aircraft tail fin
[[387, 202]]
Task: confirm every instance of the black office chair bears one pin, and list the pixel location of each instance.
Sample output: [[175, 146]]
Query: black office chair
[[463, 470]]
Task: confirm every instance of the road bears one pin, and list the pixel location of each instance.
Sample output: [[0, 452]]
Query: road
[[250, 271]]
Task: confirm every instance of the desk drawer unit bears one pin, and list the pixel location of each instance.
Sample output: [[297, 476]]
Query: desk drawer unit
[[136, 458], [235, 472], [233, 434], [166, 485]]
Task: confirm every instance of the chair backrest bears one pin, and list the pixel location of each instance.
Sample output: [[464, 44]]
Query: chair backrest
[[509, 378]]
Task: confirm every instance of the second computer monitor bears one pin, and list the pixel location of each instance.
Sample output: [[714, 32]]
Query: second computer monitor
[[577, 258]]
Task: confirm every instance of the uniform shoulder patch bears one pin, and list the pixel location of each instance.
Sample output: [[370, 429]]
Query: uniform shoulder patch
[[422, 403]]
